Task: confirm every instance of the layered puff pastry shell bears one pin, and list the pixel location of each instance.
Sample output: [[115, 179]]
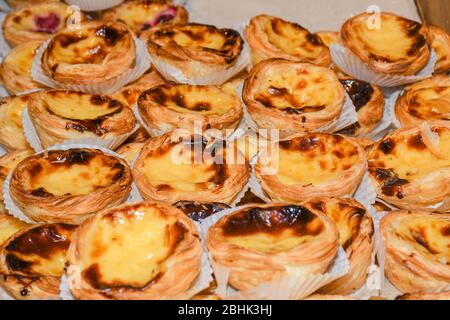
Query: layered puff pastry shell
[[60, 115], [142, 15], [7, 164], [257, 243], [292, 96], [15, 70], [164, 261], [182, 166], [67, 186], [356, 236], [441, 44], [410, 168], [170, 106], [428, 100], [32, 260], [196, 49], [11, 130], [96, 53], [417, 250], [35, 23], [272, 37], [395, 46], [311, 165]]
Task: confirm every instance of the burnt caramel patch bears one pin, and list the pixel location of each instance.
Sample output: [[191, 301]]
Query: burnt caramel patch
[[420, 237], [307, 143], [392, 184], [199, 211], [387, 146], [43, 241], [110, 35], [41, 193], [162, 96], [70, 157], [445, 231], [360, 92], [295, 108], [67, 39], [99, 100], [273, 221], [416, 142]]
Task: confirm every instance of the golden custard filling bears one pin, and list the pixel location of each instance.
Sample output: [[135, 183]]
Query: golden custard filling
[[428, 235], [315, 159], [431, 103], [88, 45], [9, 226], [40, 251], [292, 38], [12, 111], [79, 106], [272, 230], [73, 172], [152, 236], [141, 15], [181, 167], [297, 91], [395, 39], [45, 18], [409, 158], [204, 100], [21, 58]]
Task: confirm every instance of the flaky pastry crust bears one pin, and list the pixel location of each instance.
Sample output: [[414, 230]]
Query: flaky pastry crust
[[251, 266], [292, 96], [94, 181], [396, 46], [29, 288], [272, 37], [410, 168], [441, 44], [311, 165], [416, 250], [182, 264], [425, 296]]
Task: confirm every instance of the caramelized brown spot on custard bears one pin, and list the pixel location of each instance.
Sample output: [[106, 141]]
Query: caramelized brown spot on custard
[[301, 144], [420, 237], [273, 220], [109, 34], [416, 142], [445, 231], [198, 211], [360, 92], [392, 184], [387, 146]]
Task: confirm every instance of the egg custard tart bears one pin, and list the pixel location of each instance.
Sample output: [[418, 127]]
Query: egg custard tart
[[164, 261], [195, 49], [257, 243], [311, 165], [15, 69], [97, 53], [198, 211], [129, 94], [428, 100], [32, 261], [60, 115], [396, 46], [176, 167], [142, 15], [272, 37], [130, 151], [35, 23], [368, 100], [7, 164], [170, 106], [69, 185], [417, 246], [292, 96], [356, 236], [410, 168], [11, 130], [441, 44]]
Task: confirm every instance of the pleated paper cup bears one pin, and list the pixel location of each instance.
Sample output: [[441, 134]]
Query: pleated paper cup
[[172, 73], [34, 141], [353, 66], [94, 5], [108, 86], [293, 286]]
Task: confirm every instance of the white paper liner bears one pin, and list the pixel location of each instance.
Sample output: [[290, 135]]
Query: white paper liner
[[4, 47], [109, 87], [94, 5], [171, 73], [366, 194], [293, 286], [3, 150], [64, 291], [15, 211], [352, 65], [5, 295], [34, 141]]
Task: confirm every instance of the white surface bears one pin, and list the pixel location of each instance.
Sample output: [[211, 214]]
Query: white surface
[[315, 15]]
